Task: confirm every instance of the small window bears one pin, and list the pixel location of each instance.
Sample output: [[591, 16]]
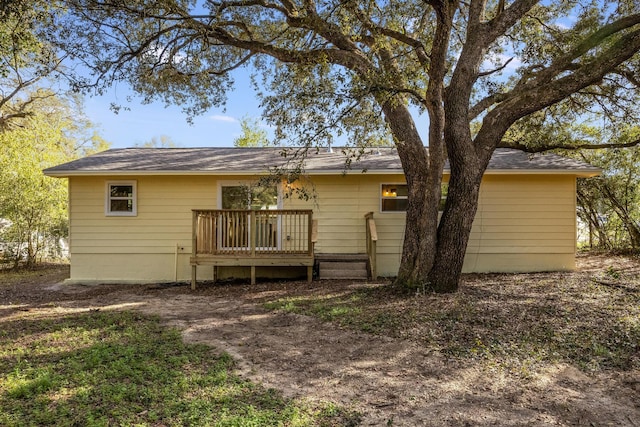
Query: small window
[[121, 198], [394, 197]]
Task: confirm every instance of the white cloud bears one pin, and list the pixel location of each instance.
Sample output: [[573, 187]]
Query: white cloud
[[223, 118]]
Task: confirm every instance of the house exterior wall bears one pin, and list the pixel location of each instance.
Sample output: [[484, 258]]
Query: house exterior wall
[[139, 248], [524, 223], [342, 202]]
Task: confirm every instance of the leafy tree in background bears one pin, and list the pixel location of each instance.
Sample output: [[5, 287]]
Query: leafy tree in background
[[362, 68], [40, 126], [35, 205], [164, 141], [252, 134], [610, 204]]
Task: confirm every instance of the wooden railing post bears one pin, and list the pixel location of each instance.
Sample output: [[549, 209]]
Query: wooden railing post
[[312, 237], [194, 246], [310, 232], [253, 226], [372, 239]]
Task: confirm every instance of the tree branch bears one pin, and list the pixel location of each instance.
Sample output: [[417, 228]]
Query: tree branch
[[597, 38], [418, 47], [480, 35], [541, 92], [563, 146], [588, 74], [631, 77], [500, 68], [505, 19], [487, 102]]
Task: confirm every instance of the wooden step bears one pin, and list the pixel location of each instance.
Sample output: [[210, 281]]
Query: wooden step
[[343, 270], [343, 274], [341, 257], [336, 265]]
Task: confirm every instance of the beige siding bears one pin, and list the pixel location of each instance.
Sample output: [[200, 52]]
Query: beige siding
[[523, 223], [140, 248], [342, 202]]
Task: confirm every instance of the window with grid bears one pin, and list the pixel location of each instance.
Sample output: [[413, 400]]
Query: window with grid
[[121, 198]]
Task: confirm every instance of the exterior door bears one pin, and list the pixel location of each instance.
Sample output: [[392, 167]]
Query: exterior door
[[235, 227]]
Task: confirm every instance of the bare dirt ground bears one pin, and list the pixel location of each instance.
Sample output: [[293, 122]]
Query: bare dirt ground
[[390, 380]]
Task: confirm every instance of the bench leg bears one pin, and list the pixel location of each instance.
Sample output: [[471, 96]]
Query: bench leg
[[193, 277], [309, 273], [253, 274], [215, 273]]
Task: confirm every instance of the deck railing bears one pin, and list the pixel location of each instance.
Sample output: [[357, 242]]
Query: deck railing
[[372, 240], [252, 233]]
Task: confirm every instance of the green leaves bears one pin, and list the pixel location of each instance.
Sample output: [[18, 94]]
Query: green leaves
[[120, 368], [252, 134], [27, 57], [36, 205]]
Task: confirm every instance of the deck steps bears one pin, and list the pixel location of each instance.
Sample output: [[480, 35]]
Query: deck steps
[[342, 266]]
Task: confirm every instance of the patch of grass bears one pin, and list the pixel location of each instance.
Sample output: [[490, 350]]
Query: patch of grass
[[38, 272], [125, 369], [518, 323], [351, 308], [326, 307]]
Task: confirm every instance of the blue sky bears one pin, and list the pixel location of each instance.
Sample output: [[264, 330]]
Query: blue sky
[[216, 128]]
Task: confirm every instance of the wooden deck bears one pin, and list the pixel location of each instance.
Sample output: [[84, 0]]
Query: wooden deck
[[253, 238]]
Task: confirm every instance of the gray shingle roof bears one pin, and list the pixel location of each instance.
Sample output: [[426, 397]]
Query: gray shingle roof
[[224, 161]]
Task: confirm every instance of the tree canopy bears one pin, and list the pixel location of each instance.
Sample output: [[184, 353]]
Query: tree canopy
[[479, 69], [29, 63], [163, 141], [35, 205]]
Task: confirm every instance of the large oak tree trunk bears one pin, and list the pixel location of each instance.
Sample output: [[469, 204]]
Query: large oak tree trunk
[[424, 175], [454, 230], [418, 251]]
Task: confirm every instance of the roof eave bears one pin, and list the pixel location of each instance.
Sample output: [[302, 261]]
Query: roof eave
[[582, 173]]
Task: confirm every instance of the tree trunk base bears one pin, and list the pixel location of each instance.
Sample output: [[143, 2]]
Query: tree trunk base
[[426, 285]]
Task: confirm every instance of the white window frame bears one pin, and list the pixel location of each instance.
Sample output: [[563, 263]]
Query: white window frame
[[396, 198], [133, 198]]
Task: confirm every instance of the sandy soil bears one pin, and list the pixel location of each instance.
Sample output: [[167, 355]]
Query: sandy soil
[[390, 381]]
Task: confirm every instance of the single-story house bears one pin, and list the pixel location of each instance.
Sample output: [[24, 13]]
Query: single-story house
[[163, 215]]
